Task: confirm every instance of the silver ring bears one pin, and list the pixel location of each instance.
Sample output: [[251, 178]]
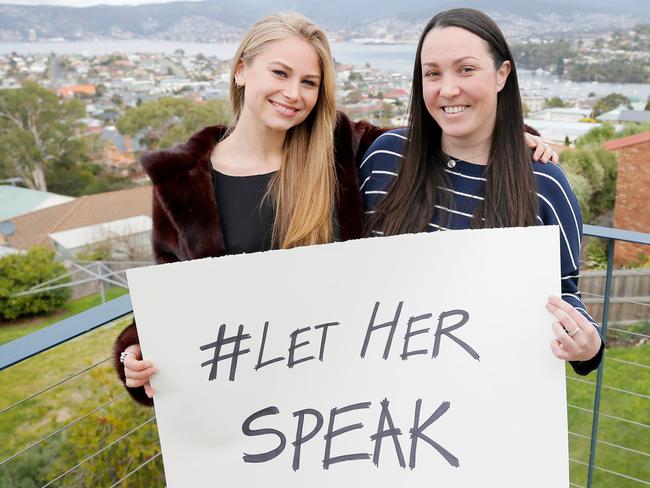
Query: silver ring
[[124, 354], [573, 332]]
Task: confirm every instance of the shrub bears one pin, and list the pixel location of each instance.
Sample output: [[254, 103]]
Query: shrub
[[20, 272], [592, 171]]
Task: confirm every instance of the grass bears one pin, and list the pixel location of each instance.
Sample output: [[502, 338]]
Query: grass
[[13, 330], [25, 424], [36, 418], [634, 406]]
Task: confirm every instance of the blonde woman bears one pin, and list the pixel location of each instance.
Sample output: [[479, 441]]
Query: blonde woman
[[275, 179], [271, 180]]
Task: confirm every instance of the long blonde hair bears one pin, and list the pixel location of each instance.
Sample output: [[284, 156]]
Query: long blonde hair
[[304, 188]]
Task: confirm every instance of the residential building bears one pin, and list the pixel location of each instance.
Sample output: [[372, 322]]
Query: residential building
[[631, 210], [70, 91], [561, 114], [120, 152], [15, 201], [86, 215], [559, 131]]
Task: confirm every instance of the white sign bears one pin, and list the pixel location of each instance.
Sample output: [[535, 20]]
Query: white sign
[[418, 360]]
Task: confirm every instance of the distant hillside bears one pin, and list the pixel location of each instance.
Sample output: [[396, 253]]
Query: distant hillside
[[220, 20], [167, 21]]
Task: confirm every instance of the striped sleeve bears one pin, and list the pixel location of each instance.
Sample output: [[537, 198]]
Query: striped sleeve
[[379, 167], [558, 205]]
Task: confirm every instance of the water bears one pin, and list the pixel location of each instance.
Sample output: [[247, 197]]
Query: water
[[393, 58], [398, 57]]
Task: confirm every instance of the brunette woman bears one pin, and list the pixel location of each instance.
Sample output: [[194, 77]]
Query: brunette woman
[[462, 164]]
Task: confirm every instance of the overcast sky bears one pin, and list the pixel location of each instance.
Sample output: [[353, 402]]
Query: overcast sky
[[85, 3]]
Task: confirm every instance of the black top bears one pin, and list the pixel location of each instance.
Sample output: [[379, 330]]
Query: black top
[[246, 216]]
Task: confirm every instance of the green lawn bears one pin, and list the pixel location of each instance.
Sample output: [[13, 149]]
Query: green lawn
[[40, 416], [13, 330], [34, 419], [635, 408]]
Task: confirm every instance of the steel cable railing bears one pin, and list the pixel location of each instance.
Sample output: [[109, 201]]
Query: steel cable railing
[[630, 332], [610, 471], [625, 445], [629, 363], [97, 453], [609, 416], [615, 299], [65, 427], [610, 444], [607, 387], [68, 378], [128, 475]]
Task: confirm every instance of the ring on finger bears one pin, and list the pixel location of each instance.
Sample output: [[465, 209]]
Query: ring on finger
[[573, 332], [124, 354]]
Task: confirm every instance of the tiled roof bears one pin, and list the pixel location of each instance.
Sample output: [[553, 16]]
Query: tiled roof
[[15, 200], [33, 228], [627, 141]]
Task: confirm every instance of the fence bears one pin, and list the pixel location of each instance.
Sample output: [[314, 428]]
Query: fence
[[597, 424], [88, 277], [630, 294]]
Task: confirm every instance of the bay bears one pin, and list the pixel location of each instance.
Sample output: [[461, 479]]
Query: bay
[[386, 57]]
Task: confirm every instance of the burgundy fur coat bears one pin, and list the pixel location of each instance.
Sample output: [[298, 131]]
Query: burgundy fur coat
[[186, 222]]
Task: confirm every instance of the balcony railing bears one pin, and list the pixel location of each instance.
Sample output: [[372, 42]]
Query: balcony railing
[[110, 409]]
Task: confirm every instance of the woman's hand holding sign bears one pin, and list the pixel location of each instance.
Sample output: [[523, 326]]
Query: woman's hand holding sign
[[576, 339], [138, 371]]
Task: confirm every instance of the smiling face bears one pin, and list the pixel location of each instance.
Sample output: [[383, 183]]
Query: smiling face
[[281, 84], [460, 84]]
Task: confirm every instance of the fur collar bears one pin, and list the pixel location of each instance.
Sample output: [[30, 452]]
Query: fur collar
[[182, 178], [169, 163]]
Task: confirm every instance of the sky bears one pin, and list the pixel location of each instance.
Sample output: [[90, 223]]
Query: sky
[[85, 3]]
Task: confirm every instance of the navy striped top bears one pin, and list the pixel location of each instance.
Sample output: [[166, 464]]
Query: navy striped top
[[558, 205]]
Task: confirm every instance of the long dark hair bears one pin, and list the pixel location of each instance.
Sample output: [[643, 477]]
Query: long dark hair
[[510, 194]]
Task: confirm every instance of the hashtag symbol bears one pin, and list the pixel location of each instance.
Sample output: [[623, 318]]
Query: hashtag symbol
[[233, 356]]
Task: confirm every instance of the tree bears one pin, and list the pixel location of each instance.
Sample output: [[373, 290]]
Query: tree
[[353, 97], [647, 105], [554, 102], [168, 121], [607, 132], [602, 133], [37, 131], [592, 173], [610, 102], [385, 114], [559, 66], [20, 272]]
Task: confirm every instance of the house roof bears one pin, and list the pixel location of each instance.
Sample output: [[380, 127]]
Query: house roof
[[642, 116], [33, 228], [584, 112], [612, 115], [120, 141], [91, 234], [622, 114], [627, 141], [15, 200]]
